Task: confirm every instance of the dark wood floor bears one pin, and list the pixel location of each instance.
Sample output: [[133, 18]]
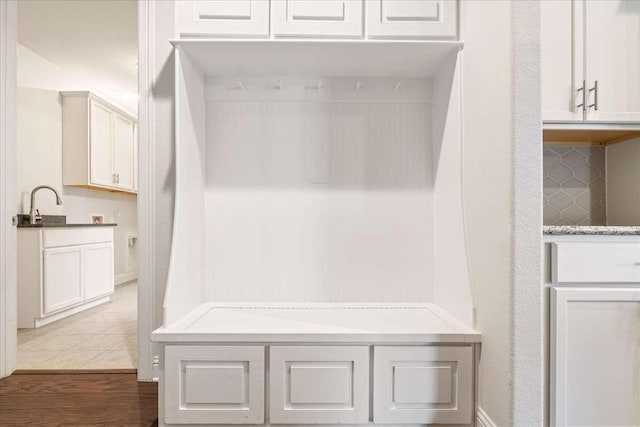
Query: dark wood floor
[[77, 399]]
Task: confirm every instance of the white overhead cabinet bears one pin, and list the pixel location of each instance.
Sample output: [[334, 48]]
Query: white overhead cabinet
[[411, 19], [223, 18], [347, 19], [98, 144], [317, 18], [590, 61]]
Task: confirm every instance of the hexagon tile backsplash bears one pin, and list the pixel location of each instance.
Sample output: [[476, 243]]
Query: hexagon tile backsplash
[[574, 185]]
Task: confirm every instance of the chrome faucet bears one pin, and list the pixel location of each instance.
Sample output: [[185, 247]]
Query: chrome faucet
[[34, 214]]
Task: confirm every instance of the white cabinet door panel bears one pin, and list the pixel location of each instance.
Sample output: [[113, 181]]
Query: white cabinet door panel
[[426, 385], [612, 45], [123, 152], [63, 277], [595, 262], [411, 18], [319, 385], [100, 145], [562, 65], [317, 18], [98, 270], [595, 356], [248, 18], [214, 385]]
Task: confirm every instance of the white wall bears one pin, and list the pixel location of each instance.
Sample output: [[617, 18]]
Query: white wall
[[39, 155], [623, 183]]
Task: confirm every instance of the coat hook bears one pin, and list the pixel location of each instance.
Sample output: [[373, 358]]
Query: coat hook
[[358, 85], [279, 85], [238, 86], [397, 86], [318, 86]]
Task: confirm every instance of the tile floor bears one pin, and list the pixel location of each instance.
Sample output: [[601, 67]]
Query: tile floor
[[103, 337]]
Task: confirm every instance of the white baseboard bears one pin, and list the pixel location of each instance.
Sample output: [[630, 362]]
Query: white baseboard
[[126, 277], [484, 420]]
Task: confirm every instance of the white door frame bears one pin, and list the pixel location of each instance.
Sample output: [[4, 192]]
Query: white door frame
[[8, 264], [146, 187]]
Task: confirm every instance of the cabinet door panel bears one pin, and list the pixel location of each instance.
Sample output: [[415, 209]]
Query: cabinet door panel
[[317, 18], [411, 18], [214, 385], [595, 356], [319, 385], [63, 277], [123, 152], [98, 270], [562, 60], [612, 42], [224, 18], [426, 385], [100, 145]]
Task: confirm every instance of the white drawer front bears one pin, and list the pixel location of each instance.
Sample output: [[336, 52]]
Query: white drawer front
[[594, 262], [426, 385], [53, 237], [319, 385], [317, 18], [214, 384], [223, 17], [411, 18]]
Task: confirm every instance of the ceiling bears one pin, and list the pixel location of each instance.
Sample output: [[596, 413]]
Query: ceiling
[[94, 39]]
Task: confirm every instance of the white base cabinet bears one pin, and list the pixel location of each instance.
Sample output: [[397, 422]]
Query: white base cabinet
[[62, 271], [595, 350]]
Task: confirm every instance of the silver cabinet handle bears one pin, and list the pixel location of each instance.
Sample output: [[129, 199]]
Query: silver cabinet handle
[[583, 106], [113, 178], [117, 178], [594, 89]]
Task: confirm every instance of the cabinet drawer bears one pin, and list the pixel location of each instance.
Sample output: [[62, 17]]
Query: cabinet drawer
[[591, 262], [217, 18], [317, 18], [426, 385], [411, 19], [214, 385], [319, 385], [76, 236]]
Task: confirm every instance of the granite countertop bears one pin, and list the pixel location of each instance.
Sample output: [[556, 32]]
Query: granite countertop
[[559, 230], [54, 221]]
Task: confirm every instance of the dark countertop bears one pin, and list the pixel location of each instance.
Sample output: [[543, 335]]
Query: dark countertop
[[54, 221], [608, 230]]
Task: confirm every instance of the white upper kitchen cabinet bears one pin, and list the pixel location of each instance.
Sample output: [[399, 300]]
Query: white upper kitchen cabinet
[[317, 18], [590, 61], [98, 144], [223, 18], [411, 19]]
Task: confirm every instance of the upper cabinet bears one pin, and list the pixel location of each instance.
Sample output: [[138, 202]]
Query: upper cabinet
[[223, 18], [590, 61], [313, 18], [385, 19], [98, 144], [411, 18]]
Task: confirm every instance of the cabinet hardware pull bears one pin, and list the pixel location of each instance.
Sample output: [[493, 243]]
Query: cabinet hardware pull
[[594, 89], [584, 103], [113, 177]]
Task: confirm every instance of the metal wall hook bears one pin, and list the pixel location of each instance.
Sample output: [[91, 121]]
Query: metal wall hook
[[238, 86], [278, 85], [358, 86], [318, 86], [397, 86]]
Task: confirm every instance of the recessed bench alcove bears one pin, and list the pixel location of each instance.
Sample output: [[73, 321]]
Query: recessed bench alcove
[[318, 269]]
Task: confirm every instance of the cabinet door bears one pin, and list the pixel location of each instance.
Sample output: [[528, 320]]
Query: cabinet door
[[319, 385], [98, 270], [223, 18], [124, 152], [214, 384], [612, 45], [62, 281], [562, 60], [595, 356], [411, 18], [317, 18], [100, 134], [425, 385]]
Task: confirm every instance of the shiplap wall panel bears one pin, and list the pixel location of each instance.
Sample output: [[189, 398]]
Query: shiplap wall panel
[[319, 201]]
